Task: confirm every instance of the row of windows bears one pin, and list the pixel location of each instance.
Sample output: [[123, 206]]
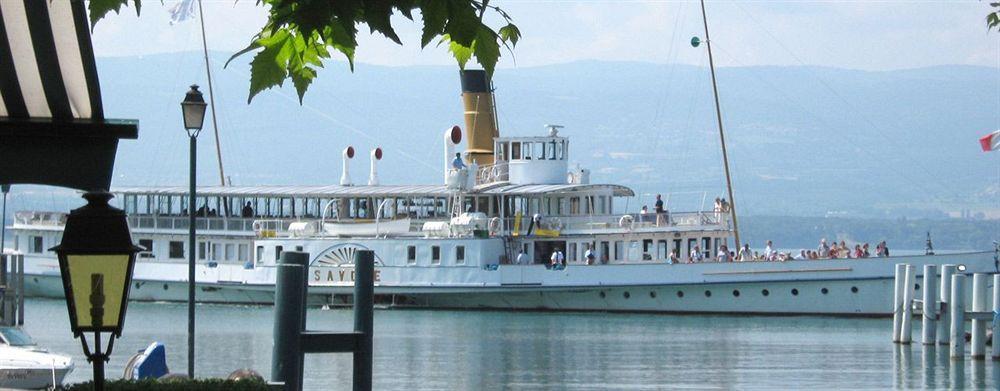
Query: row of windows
[[528, 150], [736, 293], [207, 251], [411, 255]]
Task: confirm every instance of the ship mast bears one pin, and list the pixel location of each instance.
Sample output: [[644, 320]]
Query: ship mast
[[722, 135], [211, 95]]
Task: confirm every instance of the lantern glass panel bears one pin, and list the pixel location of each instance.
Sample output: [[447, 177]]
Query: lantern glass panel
[[194, 115], [99, 284]]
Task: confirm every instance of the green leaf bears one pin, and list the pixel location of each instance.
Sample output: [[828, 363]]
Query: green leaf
[[269, 67], [100, 8], [510, 33], [463, 22], [378, 14], [461, 53], [487, 49], [435, 15]]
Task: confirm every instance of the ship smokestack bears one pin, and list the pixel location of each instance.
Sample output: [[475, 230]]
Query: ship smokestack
[[373, 176], [480, 121], [345, 178], [452, 137]]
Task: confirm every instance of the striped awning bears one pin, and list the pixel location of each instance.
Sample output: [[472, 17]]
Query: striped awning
[[51, 114]]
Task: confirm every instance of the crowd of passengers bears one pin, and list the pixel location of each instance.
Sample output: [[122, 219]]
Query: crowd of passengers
[[823, 251]]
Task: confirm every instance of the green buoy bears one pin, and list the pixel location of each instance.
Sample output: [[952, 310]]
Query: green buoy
[[695, 41]]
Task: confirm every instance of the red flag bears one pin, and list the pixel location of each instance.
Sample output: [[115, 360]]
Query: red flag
[[990, 142]]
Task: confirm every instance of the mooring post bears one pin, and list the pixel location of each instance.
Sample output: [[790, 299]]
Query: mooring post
[[944, 327], [289, 312], [906, 332], [995, 346], [929, 324], [979, 281], [957, 303], [897, 309], [5, 310], [364, 302]]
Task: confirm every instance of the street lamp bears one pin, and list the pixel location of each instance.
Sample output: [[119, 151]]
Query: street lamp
[[96, 258], [193, 107]]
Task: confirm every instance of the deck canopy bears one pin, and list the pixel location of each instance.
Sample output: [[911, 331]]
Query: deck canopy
[[52, 125], [380, 191]]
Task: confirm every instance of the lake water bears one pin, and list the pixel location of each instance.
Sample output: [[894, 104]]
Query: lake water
[[472, 350]]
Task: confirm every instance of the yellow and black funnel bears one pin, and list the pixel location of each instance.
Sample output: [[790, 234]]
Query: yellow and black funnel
[[480, 119]]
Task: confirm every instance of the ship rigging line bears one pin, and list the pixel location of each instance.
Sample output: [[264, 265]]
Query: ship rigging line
[[211, 96], [722, 134]]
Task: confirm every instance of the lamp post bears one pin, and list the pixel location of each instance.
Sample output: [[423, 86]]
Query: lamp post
[[193, 108], [96, 258]]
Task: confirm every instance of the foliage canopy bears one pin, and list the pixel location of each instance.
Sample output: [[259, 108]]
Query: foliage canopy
[[300, 34]]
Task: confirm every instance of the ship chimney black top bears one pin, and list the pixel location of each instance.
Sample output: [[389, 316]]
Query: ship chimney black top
[[474, 80]]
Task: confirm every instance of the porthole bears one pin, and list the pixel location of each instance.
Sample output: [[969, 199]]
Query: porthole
[[626, 295], [765, 292], [795, 292], [736, 293], [164, 286], [137, 285], [824, 291], [916, 287], [652, 294], [708, 293], [854, 289], [680, 293], [601, 294]]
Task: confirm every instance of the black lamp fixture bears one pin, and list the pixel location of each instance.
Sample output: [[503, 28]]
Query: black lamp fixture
[[96, 259], [193, 108]]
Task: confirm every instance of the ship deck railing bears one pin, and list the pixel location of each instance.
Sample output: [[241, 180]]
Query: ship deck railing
[[673, 221]]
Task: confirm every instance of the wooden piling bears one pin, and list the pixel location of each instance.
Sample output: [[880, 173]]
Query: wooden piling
[[930, 314], [995, 348], [906, 330], [979, 281], [944, 325], [957, 304]]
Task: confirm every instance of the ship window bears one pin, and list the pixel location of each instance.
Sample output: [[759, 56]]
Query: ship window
[[561, 150], [540, 150], [260, 253], [17, 240], [619, 250], [201, 250], [230, 252], [216, 251], [459, 254], [435, 255], [661, 250], [527, 151], [552, 150], [277, 252], [571, 252], [411, 254], [515, 151], [148, 245], [706, 247], [35, 245], [574, 205], [243, 252]]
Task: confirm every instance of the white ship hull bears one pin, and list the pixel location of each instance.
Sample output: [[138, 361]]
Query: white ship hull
[[836, 287]]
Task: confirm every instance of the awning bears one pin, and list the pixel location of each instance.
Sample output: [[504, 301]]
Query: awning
[[52, 125]]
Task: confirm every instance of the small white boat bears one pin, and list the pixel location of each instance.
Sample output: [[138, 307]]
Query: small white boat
[[24, 365]]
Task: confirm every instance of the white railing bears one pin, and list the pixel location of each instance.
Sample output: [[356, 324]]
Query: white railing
[[235, 224], [50, 219], [629, 221]]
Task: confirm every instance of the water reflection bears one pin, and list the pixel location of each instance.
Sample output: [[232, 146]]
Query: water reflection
[[423, 350]]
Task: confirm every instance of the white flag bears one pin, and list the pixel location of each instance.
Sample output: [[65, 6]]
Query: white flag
[[181, 11]]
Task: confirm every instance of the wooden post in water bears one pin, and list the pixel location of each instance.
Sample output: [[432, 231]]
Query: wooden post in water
[[289, 315], [978, 324], [957, 303], [944, 328], [929, 329], [995, 348], [897, 309], [906, 330]]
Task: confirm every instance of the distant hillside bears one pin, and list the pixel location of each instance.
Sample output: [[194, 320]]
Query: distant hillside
[[803, 140]]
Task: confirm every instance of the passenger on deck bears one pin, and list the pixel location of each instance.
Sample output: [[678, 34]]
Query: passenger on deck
[[642, 214], [589, 256], [823, 250], [744, 254], [802, 255], [695, 254], [658, 208], [557, 259], [673, 258], [522, 258], [844, 251], [247, 211], [864, 251], [458, 164], [723, 255], [769, 253]]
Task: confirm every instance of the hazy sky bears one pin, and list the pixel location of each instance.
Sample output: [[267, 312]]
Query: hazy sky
[[876, 35]]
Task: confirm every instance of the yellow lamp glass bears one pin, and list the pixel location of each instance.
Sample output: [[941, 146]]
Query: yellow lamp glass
[[98, 283]]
